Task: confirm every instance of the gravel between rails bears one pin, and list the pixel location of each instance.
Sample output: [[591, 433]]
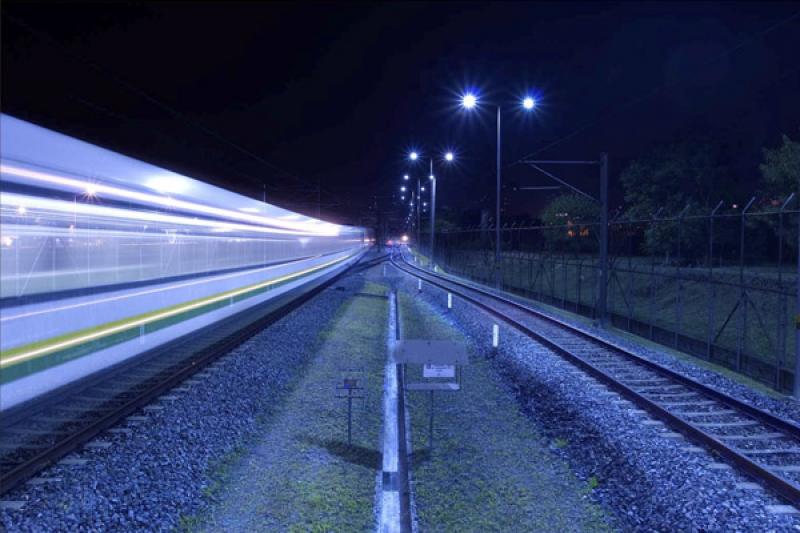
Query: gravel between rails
[[647, 478], [167, 468]]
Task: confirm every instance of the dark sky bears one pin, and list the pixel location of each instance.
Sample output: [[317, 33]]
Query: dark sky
[[334, 93]]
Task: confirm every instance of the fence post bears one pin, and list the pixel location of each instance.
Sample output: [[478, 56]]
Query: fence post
[[679, 307], [796, 389], [602, 299], [652, 279], [743, 293], [712, 301]]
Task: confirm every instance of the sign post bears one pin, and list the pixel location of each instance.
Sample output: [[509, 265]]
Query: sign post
[[352, 388], [441, 363]]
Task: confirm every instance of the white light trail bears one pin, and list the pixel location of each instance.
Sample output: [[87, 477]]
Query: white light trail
[[85, 187], [146, 292], [74, 341]]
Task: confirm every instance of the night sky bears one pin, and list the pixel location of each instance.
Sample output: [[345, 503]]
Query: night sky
[[298, 94]]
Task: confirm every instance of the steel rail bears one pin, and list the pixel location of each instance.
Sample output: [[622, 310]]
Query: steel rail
[[200, 360], [788, 490]]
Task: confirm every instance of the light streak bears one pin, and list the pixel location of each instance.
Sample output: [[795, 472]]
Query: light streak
[[72, 208], [314, 227], [30, 354], [146, 292]]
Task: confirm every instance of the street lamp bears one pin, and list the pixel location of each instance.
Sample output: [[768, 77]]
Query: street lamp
[[413, 156], [470, 101]]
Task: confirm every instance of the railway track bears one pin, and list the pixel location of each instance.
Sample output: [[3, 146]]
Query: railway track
[[760, 444], [37, 435]]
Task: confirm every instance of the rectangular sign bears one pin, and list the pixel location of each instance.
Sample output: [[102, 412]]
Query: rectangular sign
[[425, 352], [439, 371]]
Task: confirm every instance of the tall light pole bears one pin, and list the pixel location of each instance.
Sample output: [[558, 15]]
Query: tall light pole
[[469, 101], [449, 157], [433, 213]]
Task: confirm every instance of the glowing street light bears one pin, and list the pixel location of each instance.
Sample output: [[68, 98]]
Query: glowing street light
[[413, 156], [469, 101], [403, 188], [405, 177], [528, 103], [449, 156]]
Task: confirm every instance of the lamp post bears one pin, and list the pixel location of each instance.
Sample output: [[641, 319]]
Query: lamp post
[[448, 157], [470, 101]]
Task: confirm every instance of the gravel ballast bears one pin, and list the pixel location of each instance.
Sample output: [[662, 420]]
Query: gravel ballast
[[647, 476], [164, 466]]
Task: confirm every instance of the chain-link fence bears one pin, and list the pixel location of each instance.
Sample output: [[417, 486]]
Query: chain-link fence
[[718, 283]]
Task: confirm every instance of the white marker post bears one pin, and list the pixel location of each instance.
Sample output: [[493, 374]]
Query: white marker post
[[449, 300], [419, 285], [495, 336]]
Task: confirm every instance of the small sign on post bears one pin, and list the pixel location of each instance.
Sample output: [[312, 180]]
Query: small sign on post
[[350, 384], [439, 360]]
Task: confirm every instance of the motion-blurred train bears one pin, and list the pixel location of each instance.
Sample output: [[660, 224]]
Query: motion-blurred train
[[103, 257]]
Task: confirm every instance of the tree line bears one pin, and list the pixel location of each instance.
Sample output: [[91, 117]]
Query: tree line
[[669, 193]]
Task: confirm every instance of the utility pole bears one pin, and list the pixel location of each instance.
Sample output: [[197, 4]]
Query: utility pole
[[603, 292], [601, 305], [497, 273], [796, 389]]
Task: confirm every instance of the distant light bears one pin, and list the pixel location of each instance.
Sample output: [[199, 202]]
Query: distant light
[[405, 238], [424, 204], [413, 156], [21, 210], [8, 241], [449, 156], [405, 177], [735, 206], [422, 189], [403, 188], [469, 101], [402, 197], [528, 102], [91, 191], [430, 177]]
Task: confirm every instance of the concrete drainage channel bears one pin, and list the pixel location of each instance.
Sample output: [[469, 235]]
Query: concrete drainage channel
[[395, 498]]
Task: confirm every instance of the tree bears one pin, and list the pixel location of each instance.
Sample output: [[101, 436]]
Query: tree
[[781, 167], [670, 178], [573, 219], [781, 175]]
